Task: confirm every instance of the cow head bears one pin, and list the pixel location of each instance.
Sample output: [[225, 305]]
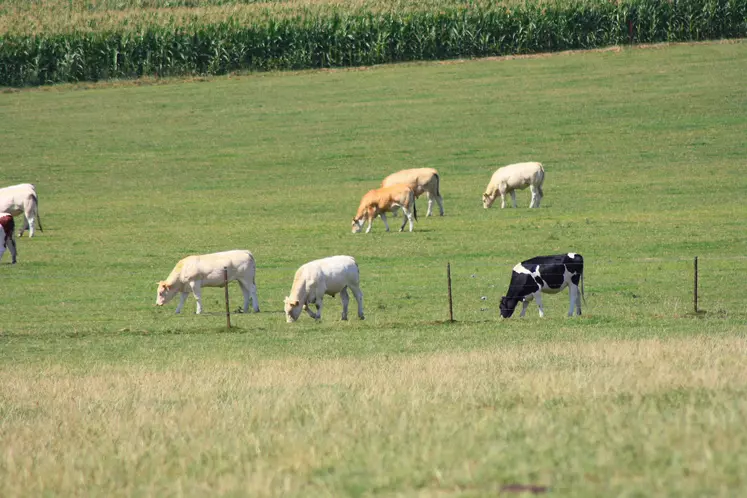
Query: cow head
[[292, 309], [508, 305], [357, 225], [166, 292], [487, 200]]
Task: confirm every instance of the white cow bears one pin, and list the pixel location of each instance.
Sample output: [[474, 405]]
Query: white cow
[[420, 180], [512, 177], [18, 199], [7, 225], [195, 272], [324, 276]]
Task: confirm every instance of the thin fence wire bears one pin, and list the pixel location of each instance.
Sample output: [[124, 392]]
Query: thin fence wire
[[657, 285]]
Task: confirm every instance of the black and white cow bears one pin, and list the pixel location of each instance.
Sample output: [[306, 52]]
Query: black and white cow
[[549, 274]]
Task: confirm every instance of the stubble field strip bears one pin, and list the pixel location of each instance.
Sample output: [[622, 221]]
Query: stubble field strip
[[652, 416], [644, 152]]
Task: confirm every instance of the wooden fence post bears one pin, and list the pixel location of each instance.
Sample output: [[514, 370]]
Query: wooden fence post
[[448, 277], [695, 285], [228, 309]]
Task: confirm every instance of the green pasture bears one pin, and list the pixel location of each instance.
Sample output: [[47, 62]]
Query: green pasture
[[645, 152]]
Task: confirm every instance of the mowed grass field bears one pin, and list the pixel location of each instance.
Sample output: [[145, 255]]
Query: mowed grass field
[[645, 150]]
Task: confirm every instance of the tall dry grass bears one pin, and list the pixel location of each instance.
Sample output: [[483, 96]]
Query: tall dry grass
[[664, 417]]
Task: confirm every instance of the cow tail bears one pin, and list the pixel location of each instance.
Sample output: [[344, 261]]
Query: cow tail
[[438, 185], [582, 287], [414, 208], [35, 210], [38, 216]]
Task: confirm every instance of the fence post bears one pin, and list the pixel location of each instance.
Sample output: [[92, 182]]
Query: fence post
[[448, 278], [228, 309], [695, 285]]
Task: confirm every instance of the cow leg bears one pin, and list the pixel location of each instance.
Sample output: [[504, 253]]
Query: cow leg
[[245, 292], [182, 300], [409, 216], [255, 300], [345, 300], [311, 313], [31, 223], [11, 243], [524, 307], [318, 304], [430, 204], [359, 299], [534, 196], [440, 202], [395, 211], [383, 218], [2, 250], [513, 198], [538, 298], [503, 200], [406, 218], [196, 286], [573, 292], [578, 300]]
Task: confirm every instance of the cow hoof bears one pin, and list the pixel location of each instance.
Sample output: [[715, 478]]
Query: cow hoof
[[362, 317], [344, 319]]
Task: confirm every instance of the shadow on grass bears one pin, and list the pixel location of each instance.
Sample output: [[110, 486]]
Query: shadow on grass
[[187, 331]]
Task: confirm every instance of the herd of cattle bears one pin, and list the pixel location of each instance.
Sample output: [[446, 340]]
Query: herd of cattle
[[337, 274]]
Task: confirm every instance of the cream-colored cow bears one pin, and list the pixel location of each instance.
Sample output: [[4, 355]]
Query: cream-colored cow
[[512, 177], [22, 199], [206, 270], [421, 181], [328, 276]]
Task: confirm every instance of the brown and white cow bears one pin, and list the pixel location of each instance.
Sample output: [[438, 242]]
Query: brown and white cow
[[383, 200], [7, 226]]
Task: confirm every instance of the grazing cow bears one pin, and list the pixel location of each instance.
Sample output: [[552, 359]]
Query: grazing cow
[[18, 199], [420, 180], [206, 270], [379, 201], [549, 274], [7, 225], [512, 177], [324, 276]]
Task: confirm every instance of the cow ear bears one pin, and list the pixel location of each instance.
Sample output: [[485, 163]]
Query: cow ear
[[295, 303]]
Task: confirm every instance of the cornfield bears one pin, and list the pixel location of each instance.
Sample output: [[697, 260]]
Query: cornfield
[[90, 41]]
